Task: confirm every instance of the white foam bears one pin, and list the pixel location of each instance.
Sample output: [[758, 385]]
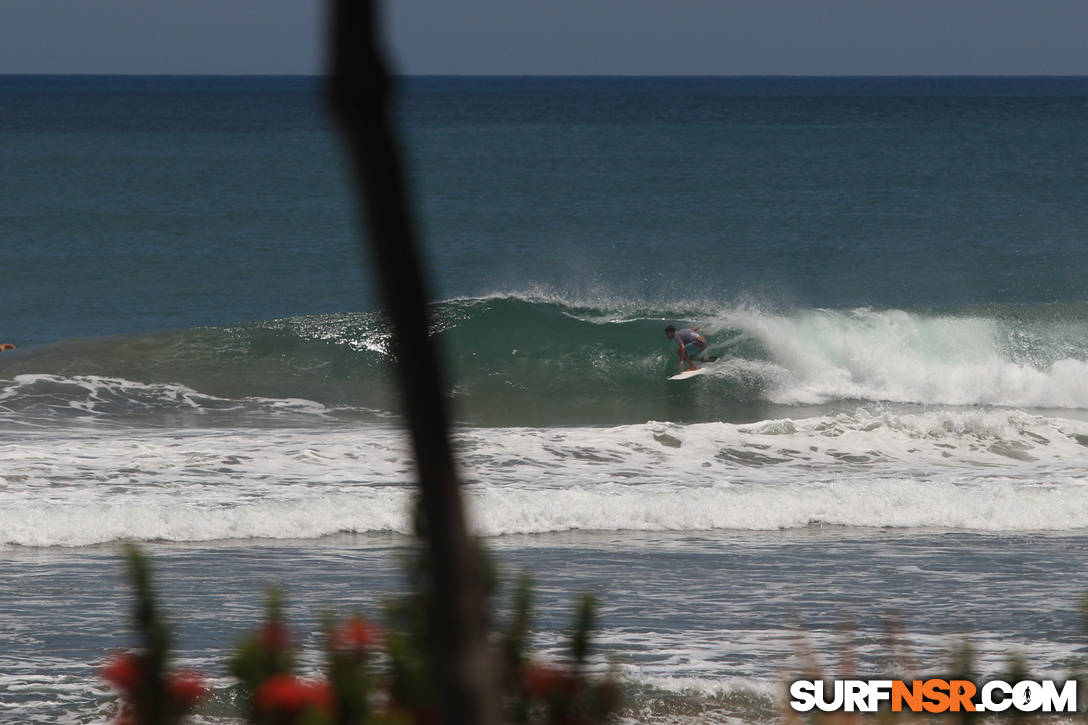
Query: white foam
[[981, 470], [43, 399], [171, 520], [892, 355]]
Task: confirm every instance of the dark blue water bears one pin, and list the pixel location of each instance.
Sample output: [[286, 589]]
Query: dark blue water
[[147, 203], [812, 192]]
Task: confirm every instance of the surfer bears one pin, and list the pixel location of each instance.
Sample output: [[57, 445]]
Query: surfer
[[689, 344], [6, 346]]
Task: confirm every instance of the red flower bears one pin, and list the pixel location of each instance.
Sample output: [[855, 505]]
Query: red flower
[[356, 634], [187, 687], [546, 681], [123, 672], [289, 694], [280, 692]]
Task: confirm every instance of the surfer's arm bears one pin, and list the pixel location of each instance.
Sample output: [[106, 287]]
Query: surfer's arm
[[684, 359]]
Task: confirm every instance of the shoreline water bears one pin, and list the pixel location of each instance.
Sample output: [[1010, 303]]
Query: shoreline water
[[695, 620]]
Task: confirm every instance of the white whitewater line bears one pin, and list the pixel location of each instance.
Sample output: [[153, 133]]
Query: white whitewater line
[[997, 506], [972, 470]]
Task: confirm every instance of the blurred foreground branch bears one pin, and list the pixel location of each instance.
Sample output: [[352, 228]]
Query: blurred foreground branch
[[359, 95]]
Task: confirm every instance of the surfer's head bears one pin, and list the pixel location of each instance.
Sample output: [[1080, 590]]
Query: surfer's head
[[670, 332]]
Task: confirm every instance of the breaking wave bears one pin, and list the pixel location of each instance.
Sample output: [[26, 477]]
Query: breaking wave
[[537, 361]]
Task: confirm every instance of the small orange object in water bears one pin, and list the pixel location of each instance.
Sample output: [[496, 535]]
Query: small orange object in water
[[6, 346]]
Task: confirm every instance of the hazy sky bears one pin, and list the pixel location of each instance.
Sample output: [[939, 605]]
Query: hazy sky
[[855, 37]]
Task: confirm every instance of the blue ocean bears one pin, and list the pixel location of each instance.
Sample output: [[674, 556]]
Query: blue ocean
[[888, 459]]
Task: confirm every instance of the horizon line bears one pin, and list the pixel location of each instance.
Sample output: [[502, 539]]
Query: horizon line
[[561, 75]]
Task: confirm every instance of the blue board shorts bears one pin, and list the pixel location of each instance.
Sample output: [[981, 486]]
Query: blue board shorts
[[694, 351]]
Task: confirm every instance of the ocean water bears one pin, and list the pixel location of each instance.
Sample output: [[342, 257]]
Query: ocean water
[[888, 460]]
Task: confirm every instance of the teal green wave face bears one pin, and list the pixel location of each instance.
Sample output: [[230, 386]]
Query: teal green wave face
[[529, 361]]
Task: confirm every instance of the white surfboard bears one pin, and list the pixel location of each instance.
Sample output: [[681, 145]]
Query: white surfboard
[[688, 374]]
